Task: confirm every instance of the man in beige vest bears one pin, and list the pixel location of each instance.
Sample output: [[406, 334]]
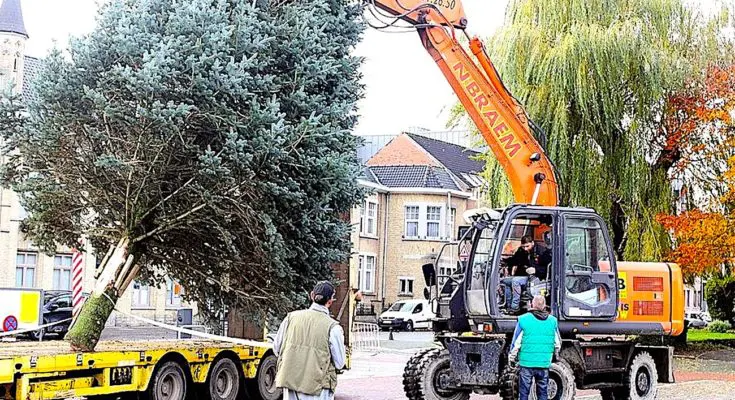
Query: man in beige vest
[[310, 348]]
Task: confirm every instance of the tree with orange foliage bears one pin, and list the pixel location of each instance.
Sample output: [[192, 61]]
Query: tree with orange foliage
[[697, 142], [697, 146], [697, 135], [705, 246]]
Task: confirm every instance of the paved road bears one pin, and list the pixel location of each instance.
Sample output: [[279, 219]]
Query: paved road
[[378, 376]]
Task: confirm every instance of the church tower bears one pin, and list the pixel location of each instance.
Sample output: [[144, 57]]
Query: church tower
[[13, 38]]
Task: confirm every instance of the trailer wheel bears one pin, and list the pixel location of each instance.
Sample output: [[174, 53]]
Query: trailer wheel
[[224, 380], [426, 377], [642, 381], [168, 382], [263, 387]]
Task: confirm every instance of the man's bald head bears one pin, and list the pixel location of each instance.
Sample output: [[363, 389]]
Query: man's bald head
[[538, 302]]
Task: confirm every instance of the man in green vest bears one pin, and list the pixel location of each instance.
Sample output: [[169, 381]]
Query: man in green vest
[[535, 341], [310, 346]]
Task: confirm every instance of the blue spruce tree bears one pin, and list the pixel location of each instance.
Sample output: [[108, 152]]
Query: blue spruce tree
[[205, 140]]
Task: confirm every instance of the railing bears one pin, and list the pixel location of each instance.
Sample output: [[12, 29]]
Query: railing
[[365, 337]]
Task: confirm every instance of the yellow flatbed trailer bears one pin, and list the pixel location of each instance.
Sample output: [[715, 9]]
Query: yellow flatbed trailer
[[162, 370]]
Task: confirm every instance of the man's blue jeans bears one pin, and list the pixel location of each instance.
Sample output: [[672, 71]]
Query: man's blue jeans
[[540, 375], [513, 291]]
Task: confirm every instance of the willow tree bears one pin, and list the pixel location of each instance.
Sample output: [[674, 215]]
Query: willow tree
[[206, 140], [595, 75]]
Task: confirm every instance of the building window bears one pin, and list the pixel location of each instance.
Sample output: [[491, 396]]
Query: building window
[[174, 291], [372, 218], [141, 295], [405, 286], [412, 221], [366, 273], [25, 269], [450, 224], [362, 219], [444, 271], [369, 218], [62, 272], [433, 221], [429, 221]]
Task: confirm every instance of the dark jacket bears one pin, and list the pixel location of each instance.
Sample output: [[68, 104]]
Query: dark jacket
[[539, 258]]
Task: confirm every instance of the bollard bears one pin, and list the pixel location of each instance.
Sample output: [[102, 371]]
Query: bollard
[[390, 334]]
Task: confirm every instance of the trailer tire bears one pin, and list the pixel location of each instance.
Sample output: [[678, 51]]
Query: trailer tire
[[168, 382], [424, 374], [263, 387], [224, 380]]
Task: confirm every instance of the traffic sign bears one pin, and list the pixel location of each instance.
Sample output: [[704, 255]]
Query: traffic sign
[[464, 252], [10, 323]]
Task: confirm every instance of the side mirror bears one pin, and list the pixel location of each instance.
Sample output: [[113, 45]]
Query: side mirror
[[53, 307], [429, 274], [427, 293]]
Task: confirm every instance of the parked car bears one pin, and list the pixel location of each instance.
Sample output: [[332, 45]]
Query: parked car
[[407, 314], [57, 306], [706, 317], [694, 320]]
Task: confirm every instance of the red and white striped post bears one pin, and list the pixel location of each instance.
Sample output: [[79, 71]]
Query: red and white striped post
[[77, 273]]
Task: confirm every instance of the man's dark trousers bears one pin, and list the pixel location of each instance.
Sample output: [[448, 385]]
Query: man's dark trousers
[[540, 375]]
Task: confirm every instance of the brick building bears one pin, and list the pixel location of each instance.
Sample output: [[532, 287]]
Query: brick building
[[21, 263], [421, 187]]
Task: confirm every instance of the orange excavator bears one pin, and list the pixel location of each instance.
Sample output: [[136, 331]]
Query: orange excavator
[[600, 302]]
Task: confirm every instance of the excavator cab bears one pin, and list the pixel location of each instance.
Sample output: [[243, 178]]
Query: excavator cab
[[571, 264]]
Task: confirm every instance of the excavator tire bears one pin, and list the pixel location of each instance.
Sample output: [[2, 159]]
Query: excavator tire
[[641, 382], [561, 383], [423, 374], [509, 383]]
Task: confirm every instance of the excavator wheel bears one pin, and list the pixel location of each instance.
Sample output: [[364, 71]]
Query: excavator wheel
[[425, 375], [641, 382], [561, 384], [509, 383]]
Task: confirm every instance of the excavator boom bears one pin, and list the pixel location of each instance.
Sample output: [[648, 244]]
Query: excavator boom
[[500, 119]]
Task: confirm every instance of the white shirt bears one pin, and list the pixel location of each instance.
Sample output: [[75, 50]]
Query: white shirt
[[336, 349]]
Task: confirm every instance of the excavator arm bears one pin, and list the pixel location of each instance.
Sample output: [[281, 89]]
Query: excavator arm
[[502, 122]]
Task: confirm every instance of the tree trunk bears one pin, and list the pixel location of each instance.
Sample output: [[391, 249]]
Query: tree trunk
[[118, 269], [618, 226]]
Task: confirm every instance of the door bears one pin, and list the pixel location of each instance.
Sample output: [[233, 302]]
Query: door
[[589, 280], [418, 317]]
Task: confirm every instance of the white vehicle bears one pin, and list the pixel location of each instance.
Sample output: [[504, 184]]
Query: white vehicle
[[407, 314], [706, 317]]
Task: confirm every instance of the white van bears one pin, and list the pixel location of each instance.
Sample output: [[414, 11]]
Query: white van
[[407, 314]]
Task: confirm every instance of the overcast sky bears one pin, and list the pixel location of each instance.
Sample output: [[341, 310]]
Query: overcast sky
[[404, 87]]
